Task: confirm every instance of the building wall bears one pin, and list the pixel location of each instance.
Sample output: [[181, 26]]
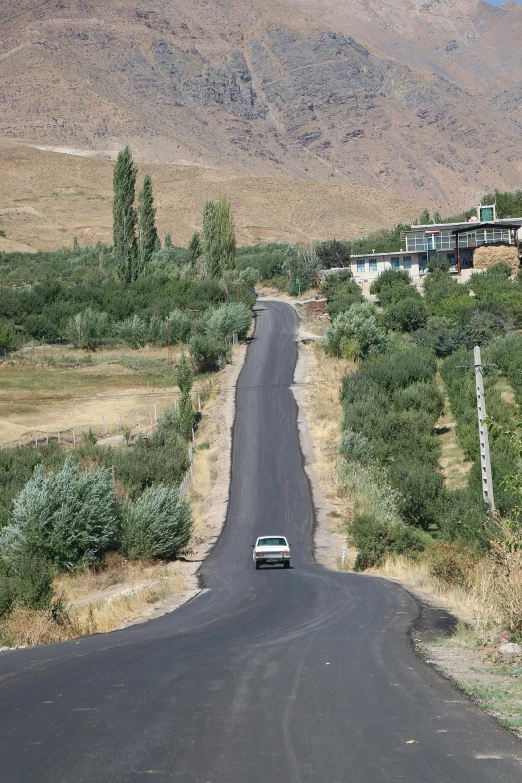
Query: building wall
[[370, 267]]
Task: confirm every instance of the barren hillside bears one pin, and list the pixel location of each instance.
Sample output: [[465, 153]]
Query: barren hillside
[[404, 96], [47, 197]]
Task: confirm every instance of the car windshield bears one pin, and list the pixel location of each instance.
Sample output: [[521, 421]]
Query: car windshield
[[275, 541]]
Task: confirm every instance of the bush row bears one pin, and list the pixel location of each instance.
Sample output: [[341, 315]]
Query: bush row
[[61, 510]]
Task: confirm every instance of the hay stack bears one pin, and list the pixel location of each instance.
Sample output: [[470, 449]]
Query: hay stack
[[488, 255]]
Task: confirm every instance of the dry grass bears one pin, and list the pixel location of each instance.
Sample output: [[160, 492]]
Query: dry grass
[[453, 463], [506, 391], [28, 627], [323, 408], [43, 389], [47, 197], [474, 603]]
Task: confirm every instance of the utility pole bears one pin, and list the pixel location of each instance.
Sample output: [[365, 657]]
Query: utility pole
[[485, 459]]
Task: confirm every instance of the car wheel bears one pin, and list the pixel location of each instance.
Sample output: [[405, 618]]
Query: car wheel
[[257, 566], [287, 564]]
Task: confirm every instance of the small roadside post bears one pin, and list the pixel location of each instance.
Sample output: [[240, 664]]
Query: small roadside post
[[343, 555]]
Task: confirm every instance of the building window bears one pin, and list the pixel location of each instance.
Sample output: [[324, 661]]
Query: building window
[[395, 263], [361, 266], [406, 262], [373, 264]]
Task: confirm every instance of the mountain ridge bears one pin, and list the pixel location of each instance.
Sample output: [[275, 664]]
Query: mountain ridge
[[386, 97]]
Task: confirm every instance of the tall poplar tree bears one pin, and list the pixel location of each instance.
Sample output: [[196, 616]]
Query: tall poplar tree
[[147, 233], [219, 239], [226, 235], [124, 215], [210, 244]]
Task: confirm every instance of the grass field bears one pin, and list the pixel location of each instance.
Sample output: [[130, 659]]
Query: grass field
[[56, 387]]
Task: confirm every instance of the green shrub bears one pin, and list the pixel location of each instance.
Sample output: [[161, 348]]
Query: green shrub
[[393, 285], [333, 253], [420, 396], [420, 486], [88, 329], [159, 524], [405, 315], [9, 340], [68, 517], [441, 336], [462, 518], [206, 352], [358, 323], [229, 318], [355, 447], [160, 458], [300, 267], [375, 541], [401, 365], [368, 490]]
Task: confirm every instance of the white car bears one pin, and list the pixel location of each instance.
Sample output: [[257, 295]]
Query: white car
[[271, 550]]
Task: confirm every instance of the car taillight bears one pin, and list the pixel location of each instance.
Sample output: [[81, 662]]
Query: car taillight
[[259, 554], [286, 552]]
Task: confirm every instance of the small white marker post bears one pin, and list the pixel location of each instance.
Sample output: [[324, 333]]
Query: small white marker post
[[343, 555]]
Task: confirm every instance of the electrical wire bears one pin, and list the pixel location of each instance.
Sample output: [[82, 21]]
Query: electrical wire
[[174, 392]]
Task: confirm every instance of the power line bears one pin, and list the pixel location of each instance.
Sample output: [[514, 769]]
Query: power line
[[171, 392]]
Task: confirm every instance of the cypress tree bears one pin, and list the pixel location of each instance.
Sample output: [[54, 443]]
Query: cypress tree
[[124, 215], [147, 234]]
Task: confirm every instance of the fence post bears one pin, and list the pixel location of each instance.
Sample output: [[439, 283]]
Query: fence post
[[47, 436], [59, 440], [89, 427], [36, 441], [199, 403], [74, 436], [121, 425]]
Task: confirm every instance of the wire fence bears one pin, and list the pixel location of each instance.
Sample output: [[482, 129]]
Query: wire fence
[[140, 420]]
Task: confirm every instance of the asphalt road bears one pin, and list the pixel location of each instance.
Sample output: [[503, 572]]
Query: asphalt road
[[274, 676]]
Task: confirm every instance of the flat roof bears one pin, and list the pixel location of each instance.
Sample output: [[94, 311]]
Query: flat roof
[[470, 225], [389, 253]]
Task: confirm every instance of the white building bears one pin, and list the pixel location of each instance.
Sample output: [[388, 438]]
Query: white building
[[368, 267]]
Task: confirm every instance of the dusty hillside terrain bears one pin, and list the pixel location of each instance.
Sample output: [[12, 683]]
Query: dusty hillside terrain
[[405, 96], [47, 197]]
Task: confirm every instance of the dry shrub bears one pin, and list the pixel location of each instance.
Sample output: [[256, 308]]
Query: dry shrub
[[451, 563], [29, 627]]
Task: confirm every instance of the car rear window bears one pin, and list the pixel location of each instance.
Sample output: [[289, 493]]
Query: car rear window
[[272, 542]]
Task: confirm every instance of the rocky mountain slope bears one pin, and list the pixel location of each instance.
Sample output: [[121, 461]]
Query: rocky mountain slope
[[419, 99]]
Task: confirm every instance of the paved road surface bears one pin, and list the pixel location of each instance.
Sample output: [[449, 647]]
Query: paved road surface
[[272, 676]]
